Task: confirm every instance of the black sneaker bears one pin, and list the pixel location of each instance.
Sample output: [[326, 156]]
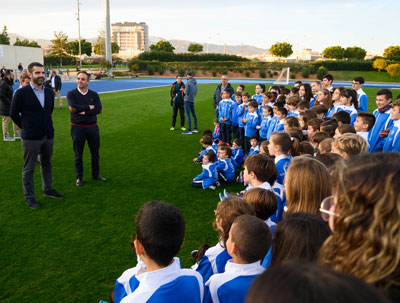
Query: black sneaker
[[32, 203], [52, 193], [195, 130]]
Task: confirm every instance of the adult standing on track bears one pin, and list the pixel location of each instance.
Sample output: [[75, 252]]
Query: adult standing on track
[[84, 105], [31, 109], [177, 99], [190, 93], [56, 85], [220, 88]]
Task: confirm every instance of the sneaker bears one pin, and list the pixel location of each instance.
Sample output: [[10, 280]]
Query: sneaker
[[172, 128], [226, 194], [183, 128], [221, 196], [213, 187], [8, 138], [218, 184], [52, 193], [17, 137], [187, 132], [193, 253], [195, 130], [32, 203]]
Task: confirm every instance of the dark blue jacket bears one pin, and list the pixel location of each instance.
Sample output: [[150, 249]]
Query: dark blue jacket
[[34, 120], [217, 93]]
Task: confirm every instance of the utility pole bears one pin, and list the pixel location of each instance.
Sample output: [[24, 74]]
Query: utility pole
[[242, 48], [224, 48], [108, 31], [79, 36]]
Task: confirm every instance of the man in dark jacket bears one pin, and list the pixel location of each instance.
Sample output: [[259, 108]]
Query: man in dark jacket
[[6, 94], [31, 109], [55, 81], [177, 97], [220, 88]]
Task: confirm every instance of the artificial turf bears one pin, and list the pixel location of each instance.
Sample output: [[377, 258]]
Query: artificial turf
[[73, 249]]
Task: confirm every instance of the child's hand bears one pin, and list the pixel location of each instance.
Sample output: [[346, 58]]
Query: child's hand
[[194, 159], [384, 132], [244, 120], [243, 192], [258, 126]]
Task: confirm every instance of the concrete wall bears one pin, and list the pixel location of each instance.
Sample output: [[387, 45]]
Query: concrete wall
[[11, 56]]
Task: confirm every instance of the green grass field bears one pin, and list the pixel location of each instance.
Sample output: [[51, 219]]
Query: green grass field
[[73, 249]]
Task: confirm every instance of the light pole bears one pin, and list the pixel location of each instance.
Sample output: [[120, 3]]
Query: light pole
[[79, 36], [108, 31]]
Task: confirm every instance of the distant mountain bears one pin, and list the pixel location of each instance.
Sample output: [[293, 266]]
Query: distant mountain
[[181, 46]]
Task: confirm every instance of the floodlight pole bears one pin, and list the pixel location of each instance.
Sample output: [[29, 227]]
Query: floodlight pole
[[108, 31], [79, 37]]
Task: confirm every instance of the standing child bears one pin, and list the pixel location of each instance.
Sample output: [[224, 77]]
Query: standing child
[[258, 96], [315, 87], [225, 108], [274, 120], [235, 117], [249, 240], [291, 104], [362, 98], [237, 152], [281, 114], [392, 142], [215, 133], [225, 167], [348, 99], [209, 177], [364, 123], [251, 121], [265, 122], [241, 114], [280, 146]]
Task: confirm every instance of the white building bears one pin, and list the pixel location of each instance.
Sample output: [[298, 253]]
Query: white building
[[131, 37]]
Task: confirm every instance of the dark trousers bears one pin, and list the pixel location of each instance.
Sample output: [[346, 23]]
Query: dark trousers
[[235, 131], [79, 135], [197, 184], [225, 130], [241, 137], [189, 108], [248, 145], [175, 107], [31, 150]]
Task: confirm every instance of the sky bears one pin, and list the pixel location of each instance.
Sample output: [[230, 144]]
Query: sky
[[372, 25]]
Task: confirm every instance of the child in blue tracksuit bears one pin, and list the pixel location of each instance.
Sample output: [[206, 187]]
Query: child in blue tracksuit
[[215, 134], [251, 121], [246, 251], [209, 177], [258, 96], [349, 103], [241, 112], [265, 122], [237, 152], [235, 117], [281, 114], [225, 107], [255, 147], [392, 141], [383, 123], [207, 144], [362, 98], [225, 167]]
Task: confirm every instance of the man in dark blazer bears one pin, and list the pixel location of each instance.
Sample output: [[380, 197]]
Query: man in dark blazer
[[31, 109], [55, 81]]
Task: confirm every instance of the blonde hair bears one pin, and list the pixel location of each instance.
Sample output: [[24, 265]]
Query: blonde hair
[[307, 183], [325, 146], [366, 238], [351, 144]]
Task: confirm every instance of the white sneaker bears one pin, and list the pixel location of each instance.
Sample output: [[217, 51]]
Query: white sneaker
[[8, 138], [17, 137], [195, 130], [213, 187]]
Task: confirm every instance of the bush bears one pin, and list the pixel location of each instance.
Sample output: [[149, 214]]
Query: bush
[[224, 71], [393, 70], [262, 73], [172, 69], [182, 71], [275, 73], [194, 72], [247, 73], [353, 65], [313, 69], [292, 76], [240, 70], [214, 73], [161, 70], [150, 70], [187, 57], [322, 71], [305, 72]]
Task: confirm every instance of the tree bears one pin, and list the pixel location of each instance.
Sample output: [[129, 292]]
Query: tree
[[195, 48], [355, 52], [59, 47], [333, 52], [281, 49], [86, 47], [379, 64], [393, 70], [4, 38], [164, 46], [392, 51], [99, 45], [26, 42], [114, 48]]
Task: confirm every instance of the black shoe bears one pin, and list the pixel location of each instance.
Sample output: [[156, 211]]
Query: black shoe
[[52, 193], [32, 203], [79, 182], [100, 178]]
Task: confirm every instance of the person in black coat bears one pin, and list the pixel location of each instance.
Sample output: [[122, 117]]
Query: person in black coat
[[56, 84], [6, 94]]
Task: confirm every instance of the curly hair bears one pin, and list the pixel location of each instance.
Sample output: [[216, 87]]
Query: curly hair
[[366, 238]]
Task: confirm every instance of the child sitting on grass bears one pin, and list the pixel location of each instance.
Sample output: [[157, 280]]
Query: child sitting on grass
[[249, 240], [209, 177], [255, 148], [206, 143], [225, 167], [237, 152], [160, 230]]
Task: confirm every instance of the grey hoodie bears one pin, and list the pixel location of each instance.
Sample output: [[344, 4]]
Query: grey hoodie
[[190, 90]]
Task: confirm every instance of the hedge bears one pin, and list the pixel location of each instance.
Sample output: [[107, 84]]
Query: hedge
[[187, 57]]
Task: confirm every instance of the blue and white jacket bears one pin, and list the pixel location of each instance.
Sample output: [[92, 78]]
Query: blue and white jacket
[[312, 101], [237, 155], [209, 176], [241, 114], [253, 151], [352, 112], [383, 121], [204, 151], [331, 111], [225, 107], [233, 284], [215, 134], [271, 126], [392, 141], [258, 98], [293, 113], [227, 169], [362, 101], [213, 261], [235, 117], [169, 284], [252, 121], [282, 164], [265, 122], [279, 126]]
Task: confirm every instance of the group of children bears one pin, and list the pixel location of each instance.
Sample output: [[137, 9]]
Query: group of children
[[270, 131]]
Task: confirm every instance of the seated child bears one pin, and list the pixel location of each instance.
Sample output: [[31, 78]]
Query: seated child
[[349, 145], [342, 117], [215, 134], [214, 259], [302, 106], [392, 141], [160, 230], [306, 148], [329, 126], [251, 121], [325, 146], [317, 139], [265, 122], [320, 110], [225, 167], [209, 177], [237, 152], [291, 104], [207, 144], [364, 123], [249, 240], [255, 148], [344, 129], [264, 148]]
